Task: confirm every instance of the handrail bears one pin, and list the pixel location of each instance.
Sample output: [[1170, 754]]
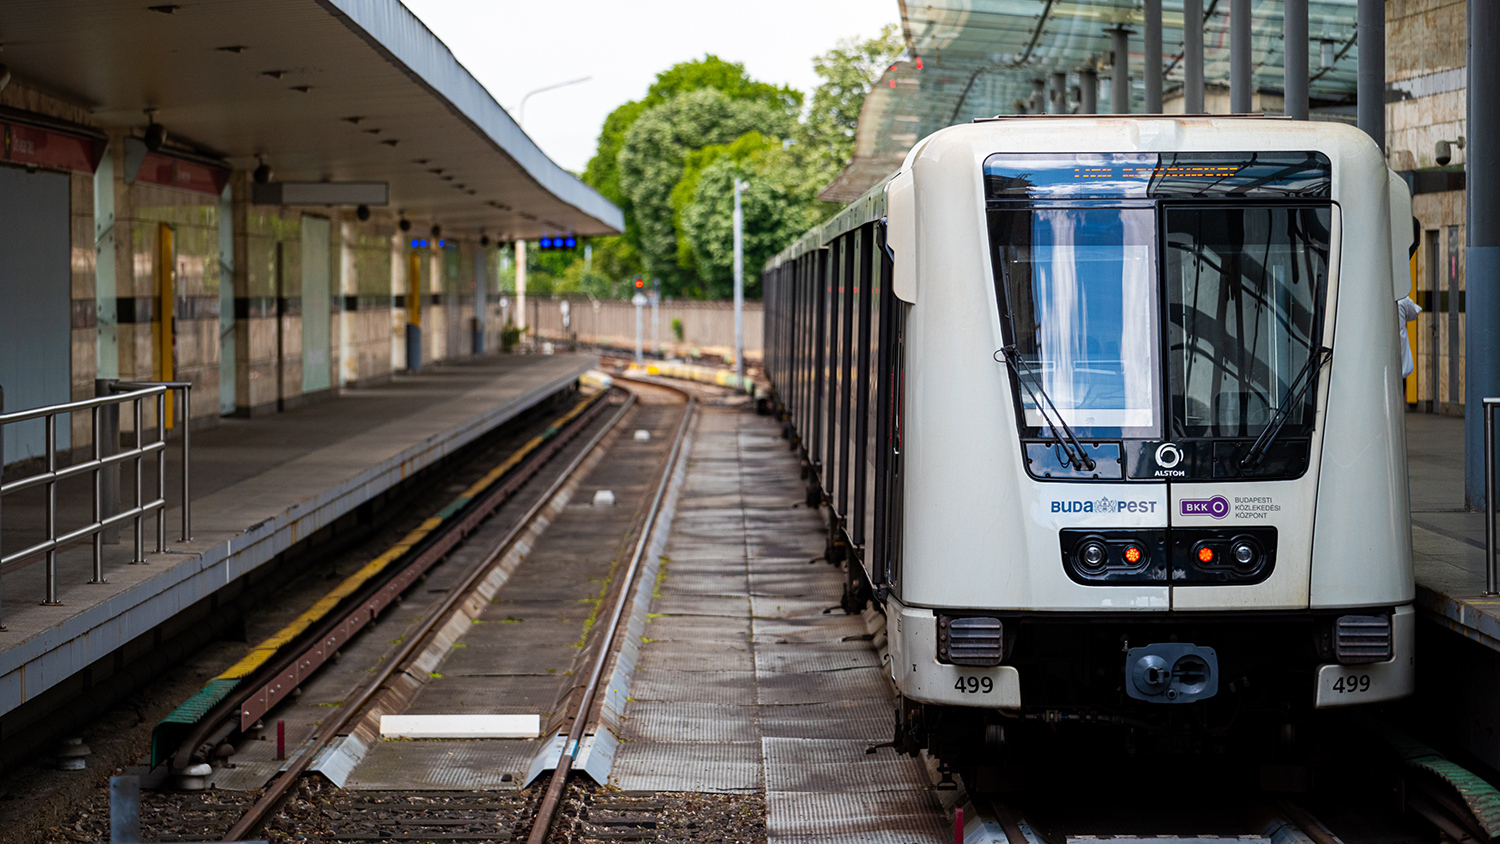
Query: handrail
[[1491, 576], [186, 388], [74, 406], [134, 393]]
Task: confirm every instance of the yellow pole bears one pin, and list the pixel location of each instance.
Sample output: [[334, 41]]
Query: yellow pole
[[166, 289], [1411, 335], [413, 288]]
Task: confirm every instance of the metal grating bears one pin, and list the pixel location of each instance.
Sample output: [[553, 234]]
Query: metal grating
[[970, 640], [1362, 638], [685, 766], [485, 765], [906, 816]]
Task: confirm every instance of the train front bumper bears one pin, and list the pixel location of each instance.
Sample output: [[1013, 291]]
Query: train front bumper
[[912, 632], [920, 676]]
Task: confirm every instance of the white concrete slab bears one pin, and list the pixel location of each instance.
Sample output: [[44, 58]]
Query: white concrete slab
[[460, 726]]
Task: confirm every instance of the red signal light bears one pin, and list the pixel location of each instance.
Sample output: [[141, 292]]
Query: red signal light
[[640, 284], [1132, 554], [919, 62], [1205, 554]]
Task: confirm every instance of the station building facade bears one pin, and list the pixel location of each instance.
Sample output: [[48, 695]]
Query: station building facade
[[154, 266]]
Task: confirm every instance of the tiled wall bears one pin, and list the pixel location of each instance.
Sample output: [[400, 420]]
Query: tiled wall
[[368, 262], [1426, 101]]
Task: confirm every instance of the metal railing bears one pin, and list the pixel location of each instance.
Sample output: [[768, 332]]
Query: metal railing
[[104, 458], [1491, 576]]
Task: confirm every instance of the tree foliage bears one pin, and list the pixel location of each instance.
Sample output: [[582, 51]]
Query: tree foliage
[[670, 159], [652, 159], [848, 71], [778, 205]]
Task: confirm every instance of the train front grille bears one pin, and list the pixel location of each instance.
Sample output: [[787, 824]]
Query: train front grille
[[970, 640], [1362, 638]]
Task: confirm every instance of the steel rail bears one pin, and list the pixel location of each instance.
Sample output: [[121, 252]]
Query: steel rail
[[552, 797], [415, 643], [258, 692]]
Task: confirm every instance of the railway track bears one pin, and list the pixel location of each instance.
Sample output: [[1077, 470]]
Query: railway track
[[559, 808], [408, 816]]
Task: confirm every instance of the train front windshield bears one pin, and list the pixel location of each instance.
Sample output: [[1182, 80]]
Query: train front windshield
[[1082, 288], [1094, 254]]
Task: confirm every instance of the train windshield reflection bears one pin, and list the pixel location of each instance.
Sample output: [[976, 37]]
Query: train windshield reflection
[[1245, 290], [1081, 286]]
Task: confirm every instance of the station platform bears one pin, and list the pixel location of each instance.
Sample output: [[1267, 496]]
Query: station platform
[[1447, 540], [258, 487]]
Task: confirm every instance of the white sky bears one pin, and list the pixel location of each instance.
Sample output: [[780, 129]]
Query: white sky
[[514, 46]]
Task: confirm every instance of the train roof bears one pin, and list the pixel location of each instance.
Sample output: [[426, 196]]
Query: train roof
[[1105, 133]]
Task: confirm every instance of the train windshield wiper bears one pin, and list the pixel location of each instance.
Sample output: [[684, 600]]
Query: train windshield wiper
[[1078, 457], [1294, 392]]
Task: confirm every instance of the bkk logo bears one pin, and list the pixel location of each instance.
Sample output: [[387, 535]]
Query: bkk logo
[[1217, 507]]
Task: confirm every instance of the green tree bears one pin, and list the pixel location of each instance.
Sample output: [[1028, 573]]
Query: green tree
[[603, 172], [652, 160], [848, 71], [778, 206]]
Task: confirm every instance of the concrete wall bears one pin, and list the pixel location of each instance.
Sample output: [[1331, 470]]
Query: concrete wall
[[708, 327], [254, 294]]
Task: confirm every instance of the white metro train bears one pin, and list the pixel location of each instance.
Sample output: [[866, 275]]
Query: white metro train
[[1107, 416]]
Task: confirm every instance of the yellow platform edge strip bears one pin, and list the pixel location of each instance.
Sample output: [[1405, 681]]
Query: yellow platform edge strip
[[263, 652]]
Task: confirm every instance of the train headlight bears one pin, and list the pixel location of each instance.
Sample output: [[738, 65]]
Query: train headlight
[[1244, 553], [1092, 555]]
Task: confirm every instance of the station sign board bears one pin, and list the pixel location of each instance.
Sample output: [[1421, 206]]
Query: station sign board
[[35, 146]]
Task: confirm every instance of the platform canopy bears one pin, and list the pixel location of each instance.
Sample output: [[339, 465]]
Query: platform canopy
[[980, 58], [335, 90]]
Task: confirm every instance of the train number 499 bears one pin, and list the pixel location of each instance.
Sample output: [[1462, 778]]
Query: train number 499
[[1353, 683], [975, 685]]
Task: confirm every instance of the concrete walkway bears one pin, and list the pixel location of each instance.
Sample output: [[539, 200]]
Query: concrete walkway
[[258, 487], [1447, 540], [751, 679]]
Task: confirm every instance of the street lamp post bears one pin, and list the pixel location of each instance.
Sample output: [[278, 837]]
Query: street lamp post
[[739, 281], [521, 112]]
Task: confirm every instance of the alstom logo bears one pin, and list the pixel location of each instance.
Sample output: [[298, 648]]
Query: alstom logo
[[1216, 507]]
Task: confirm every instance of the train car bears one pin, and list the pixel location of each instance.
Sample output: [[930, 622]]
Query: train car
[[1106, 413]]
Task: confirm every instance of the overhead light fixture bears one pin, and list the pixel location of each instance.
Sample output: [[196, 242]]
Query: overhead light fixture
[[274, 74], [404, 225], [262, 174], [362, 212], [419, 161], [166, 8], [156, 134], [302, 89], [391, 142], [354, 119], [437, 230], [233, 48], [375, 131]]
